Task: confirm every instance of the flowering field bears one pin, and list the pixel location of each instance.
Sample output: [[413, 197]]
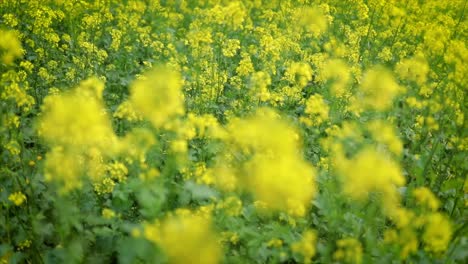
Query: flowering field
[[218, 131]]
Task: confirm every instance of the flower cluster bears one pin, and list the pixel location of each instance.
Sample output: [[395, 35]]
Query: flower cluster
[[240, 131]]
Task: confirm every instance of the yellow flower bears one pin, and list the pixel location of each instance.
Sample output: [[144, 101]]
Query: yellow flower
[[370, 171], [306, 246], [259, 85], [149, 174], [158, 96], [27, 65], [185, 238], [231, 237], [13, 147], [385, 134], [299, 73], [275, 242], [313, 20], [437, 233], [230, 47], [349, 250], [63, 166], [117, 171], [274, 172], [408, 241], [414, 69], [10, 20], [379, 89], [225, 179], [245, 65], [405, 237], [403, 217], [337, 72], [127, 111], [24, 244], [108, 213], [385, 54], [179, 146], [10, 46], [317, 108], [77, 119], [104, 186], [413, 102], [426, 198], [232, 205], [18, 198]]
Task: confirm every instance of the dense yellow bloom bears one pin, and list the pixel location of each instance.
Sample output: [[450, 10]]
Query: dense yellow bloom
[[10, 46], [436, 38], [379, 89], [10, 20], [299, 73], [127, 111], [185, 238], [117, 171], [370, 171], [226, 179], [317, 109], [414, 69], [408, 241], [437, 233], [259, 85], [64, 166], [245, 65], [13, 147], [260, 133], [136, 143], [77, 119], [385, 54], [315, 61], [306, 246], [233, 14], [158, 96], [27, 66], [18, 198], [15, 87], [405, 234], [349, 250], [413, 102], [426, 198], [204, 126], [285, 183], [116, 38], [384, 134], [104, 186], [437, 229], [231, 47], [76, 125], [338, 73], [275, 172], [313, 20], [9, 120]]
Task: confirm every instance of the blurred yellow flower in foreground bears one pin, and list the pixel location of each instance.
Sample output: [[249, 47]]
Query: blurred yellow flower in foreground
[[185, 238]]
